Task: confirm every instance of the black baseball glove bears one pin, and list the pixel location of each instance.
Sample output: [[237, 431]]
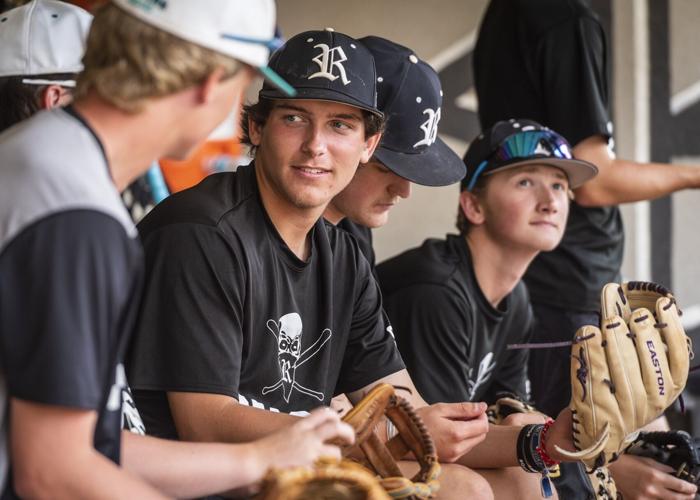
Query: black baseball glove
[[677, 449]]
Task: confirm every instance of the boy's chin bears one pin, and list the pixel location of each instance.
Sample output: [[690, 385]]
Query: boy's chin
[[548, 247]]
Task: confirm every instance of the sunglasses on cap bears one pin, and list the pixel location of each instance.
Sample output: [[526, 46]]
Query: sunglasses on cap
[[523, 146]]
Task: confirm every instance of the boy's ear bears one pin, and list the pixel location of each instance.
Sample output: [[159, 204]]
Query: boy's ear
[[254, 131], [371, 144], [54, 96], [205, 91], [471, 208]]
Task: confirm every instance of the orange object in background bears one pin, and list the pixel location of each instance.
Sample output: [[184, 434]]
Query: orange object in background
[[212, 156], [215, 155]]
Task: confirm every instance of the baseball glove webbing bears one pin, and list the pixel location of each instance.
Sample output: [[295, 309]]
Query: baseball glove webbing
[[412, 437]]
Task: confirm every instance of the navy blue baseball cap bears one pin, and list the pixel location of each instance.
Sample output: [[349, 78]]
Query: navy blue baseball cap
[[410, 95], [515, 143], [325, 65]]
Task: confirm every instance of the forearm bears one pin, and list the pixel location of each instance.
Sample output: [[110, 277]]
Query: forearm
[[244, 424], [625, 181], [630, 181], [496, 451], [191, 469], [199, 417], [52, 456], [82, 475]]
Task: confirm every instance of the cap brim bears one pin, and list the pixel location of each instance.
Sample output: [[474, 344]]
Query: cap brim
[[436, 165], [281, 85], [319, 95], [577, 171]]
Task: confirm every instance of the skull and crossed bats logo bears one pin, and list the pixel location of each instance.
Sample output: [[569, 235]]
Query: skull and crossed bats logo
[[288, 334]]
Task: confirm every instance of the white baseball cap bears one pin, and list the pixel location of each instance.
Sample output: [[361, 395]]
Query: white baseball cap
[[43, 37], [241, 29]]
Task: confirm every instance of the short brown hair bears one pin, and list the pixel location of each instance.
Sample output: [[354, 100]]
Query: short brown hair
[[260, 112], [19, 100], [128, 61]]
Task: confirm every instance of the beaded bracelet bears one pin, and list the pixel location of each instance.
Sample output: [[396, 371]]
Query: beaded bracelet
[[548, 461]]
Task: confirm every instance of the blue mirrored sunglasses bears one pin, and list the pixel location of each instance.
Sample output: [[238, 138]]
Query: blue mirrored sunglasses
[[524, 145], [533, 143]]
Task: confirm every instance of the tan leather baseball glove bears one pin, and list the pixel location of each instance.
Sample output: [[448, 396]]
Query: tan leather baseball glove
[[412, 436], [509, 404], [627, 372], [327, 480]]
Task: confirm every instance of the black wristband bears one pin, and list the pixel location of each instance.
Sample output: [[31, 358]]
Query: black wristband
[[525, 450]]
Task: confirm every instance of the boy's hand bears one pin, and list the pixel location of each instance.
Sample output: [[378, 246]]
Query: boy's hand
[[455, 427]]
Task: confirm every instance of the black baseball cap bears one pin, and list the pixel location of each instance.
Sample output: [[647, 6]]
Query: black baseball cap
[[410, 95], [514, 143], [326, 65]]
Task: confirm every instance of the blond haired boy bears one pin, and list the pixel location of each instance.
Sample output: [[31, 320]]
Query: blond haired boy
[[158, 77]]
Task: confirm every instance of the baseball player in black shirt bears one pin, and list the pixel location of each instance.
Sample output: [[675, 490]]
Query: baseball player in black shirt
[[456, 304], [547, 60]]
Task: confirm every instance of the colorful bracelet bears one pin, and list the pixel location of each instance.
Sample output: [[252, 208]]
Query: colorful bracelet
[[548, 461], [532, 456]]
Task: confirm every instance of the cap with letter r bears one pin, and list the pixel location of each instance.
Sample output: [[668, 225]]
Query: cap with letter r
[[329, 66], [241, 29]]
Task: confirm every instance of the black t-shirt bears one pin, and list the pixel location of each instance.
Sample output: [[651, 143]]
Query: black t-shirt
[[363, 235], [451, 338], [229, 309], [546, 60], [71, 268]]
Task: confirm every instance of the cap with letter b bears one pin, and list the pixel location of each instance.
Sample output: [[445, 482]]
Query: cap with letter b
[[410, 95]]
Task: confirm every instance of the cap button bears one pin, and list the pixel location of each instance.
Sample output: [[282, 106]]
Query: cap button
[[413, 58], [328, 29]]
